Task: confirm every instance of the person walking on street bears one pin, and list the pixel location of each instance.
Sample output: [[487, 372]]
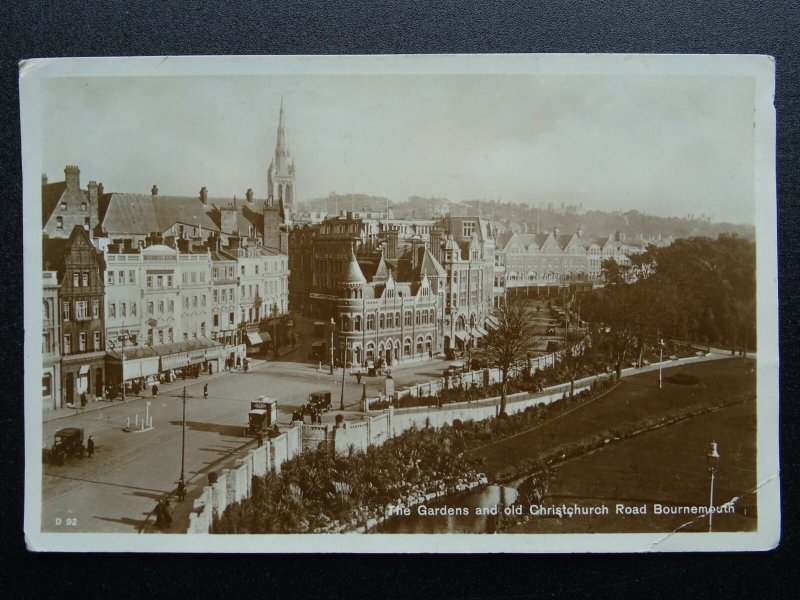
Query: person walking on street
[[166, 512], [260, 439], [205, 391], [90, 447], [155, 390], [181, 490]]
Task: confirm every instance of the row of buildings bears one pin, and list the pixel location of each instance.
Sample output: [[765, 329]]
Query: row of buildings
[[137, 287]]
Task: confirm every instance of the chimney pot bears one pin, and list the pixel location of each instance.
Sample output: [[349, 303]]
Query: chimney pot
[[154, 190], [44, 178], [203, 195], [249, 194]]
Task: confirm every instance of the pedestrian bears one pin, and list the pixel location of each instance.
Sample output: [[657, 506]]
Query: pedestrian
[[155, 390], [260, 439], [83, 399], [159, 513], [90, 447], [430, 354], [205, 391], [358, 377], [181, 490], [166, 511]]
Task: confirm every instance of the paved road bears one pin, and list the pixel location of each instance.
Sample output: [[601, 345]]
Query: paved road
[[115, 490]]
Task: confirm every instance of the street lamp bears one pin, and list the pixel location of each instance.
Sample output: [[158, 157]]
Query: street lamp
[[660, 362], [275, 329], [333, 326], [344, 365], [712, 462]]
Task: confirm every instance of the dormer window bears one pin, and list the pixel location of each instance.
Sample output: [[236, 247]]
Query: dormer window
[[63, 205]]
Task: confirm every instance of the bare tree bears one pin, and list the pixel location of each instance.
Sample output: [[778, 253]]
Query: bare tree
[[510, 342]]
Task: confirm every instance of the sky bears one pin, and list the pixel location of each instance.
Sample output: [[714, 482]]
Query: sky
[[666, 145]]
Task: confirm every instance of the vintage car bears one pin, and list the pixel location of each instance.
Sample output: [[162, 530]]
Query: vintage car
[[263, 414], [68, 442], [318, 351], [320, 400]]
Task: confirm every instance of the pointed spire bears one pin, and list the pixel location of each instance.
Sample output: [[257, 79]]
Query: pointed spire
[[281, 141]]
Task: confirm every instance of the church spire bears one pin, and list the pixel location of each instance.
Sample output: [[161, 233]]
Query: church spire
[[281, 145]]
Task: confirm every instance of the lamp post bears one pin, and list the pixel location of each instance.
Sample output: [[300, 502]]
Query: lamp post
[[275, 329], [333, 326], [660, 362], [183, 434], [344, 365], [712, 462]]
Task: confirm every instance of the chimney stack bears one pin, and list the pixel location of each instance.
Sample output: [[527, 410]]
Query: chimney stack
[[249, 194], [392, 243], [204, 195], [154, 190], [100, 190], [44, 178], [72, 177]]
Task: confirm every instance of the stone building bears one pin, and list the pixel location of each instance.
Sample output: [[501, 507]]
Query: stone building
[[79, 267], [65, 204], [51, 342]]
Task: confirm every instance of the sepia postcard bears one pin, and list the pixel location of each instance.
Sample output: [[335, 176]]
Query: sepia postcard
[[467, 303]]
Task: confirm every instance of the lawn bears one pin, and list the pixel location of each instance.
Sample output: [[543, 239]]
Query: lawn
[[666, 466], [635, 400]]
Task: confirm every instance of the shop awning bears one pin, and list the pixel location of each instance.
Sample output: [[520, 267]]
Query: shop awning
[[461, 336], [196, 356], [481, 331], [218, 352], [142, 367], [492, 322], [174, 361], [265, 336], [253, 338]]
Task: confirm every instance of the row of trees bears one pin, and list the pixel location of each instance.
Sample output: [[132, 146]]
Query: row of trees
[[697, 290]]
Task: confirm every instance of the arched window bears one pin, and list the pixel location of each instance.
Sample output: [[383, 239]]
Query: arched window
[[357, 323], [382, 321], [416, 317], [419, 345], [346, 323], [407, 347], [370, 322], [408, 319]]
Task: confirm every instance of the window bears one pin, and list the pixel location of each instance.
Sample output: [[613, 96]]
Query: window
[[84, 208], [169, 281], [67, 344], [357, 323], [216, 296], [149, 281], [85, 276], [82, 342], [468, 228], [131, 277], [256, 269], [46, 310], [97, 340], [81, 310], [150, 336], [185, 278], [242, 269], [160, 281], [186, 302], [63, 205], [230, 318], [86, 223], [150, 308], [46, 342], [203, 329], [75, 279], [370, 322], [171, 336], [60, 220], [194, 301], [171, 306], [133, 309], [112, 310], [47, 386], [160, 336], [230, 272], [408, 319], [65, 310], [121, 277], [216, 320], [122, 309], [161, 307]]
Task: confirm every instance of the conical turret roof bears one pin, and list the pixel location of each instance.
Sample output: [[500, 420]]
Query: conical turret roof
[[354, 276]]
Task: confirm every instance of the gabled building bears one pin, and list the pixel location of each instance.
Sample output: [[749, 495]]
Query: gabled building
[[65, 204], [79, 267]]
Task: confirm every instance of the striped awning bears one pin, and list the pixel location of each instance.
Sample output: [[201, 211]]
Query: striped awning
[[174, 361], [480, 331], [253, 338], [492, 322], [265, 336], [461, 336]]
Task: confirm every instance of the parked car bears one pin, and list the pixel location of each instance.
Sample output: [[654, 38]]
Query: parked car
[[68, 442], [262, 415], [320, 400]]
